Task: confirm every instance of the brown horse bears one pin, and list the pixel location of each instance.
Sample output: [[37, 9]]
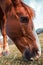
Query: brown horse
[[19, 27]]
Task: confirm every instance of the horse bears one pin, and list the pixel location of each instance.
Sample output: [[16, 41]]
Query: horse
[[20, 28]]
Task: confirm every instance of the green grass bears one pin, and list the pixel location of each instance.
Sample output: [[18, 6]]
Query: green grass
[[15, 57]]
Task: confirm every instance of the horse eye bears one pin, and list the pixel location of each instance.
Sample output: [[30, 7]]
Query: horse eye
[[24, 19]]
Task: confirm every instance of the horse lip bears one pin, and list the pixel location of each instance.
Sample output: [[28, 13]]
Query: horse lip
[[32, 59], [37, 56], [39, 53]]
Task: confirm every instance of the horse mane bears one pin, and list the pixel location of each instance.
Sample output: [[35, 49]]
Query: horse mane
[[30, 11]]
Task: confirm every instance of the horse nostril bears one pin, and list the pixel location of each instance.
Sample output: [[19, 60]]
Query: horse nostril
[[35, 51], [39, 53], [36, 54]]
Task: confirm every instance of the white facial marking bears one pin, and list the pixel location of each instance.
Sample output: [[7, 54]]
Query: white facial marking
[[38, 43]]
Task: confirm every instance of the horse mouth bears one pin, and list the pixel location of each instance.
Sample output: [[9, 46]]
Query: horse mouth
[[30, 56]]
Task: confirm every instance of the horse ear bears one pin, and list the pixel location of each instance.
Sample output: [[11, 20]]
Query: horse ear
[[31, 12]]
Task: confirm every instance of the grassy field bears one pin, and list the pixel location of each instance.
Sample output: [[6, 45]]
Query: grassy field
[[15, 57]]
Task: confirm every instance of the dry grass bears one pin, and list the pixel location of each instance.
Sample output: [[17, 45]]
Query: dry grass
[[15, 57]]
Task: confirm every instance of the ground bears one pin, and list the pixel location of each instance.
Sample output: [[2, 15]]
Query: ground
[[15, 57]]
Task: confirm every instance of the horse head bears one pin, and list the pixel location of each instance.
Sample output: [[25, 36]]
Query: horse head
[[20, 28]]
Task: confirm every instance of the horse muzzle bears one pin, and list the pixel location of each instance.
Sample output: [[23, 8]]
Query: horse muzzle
[[31, 55]]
